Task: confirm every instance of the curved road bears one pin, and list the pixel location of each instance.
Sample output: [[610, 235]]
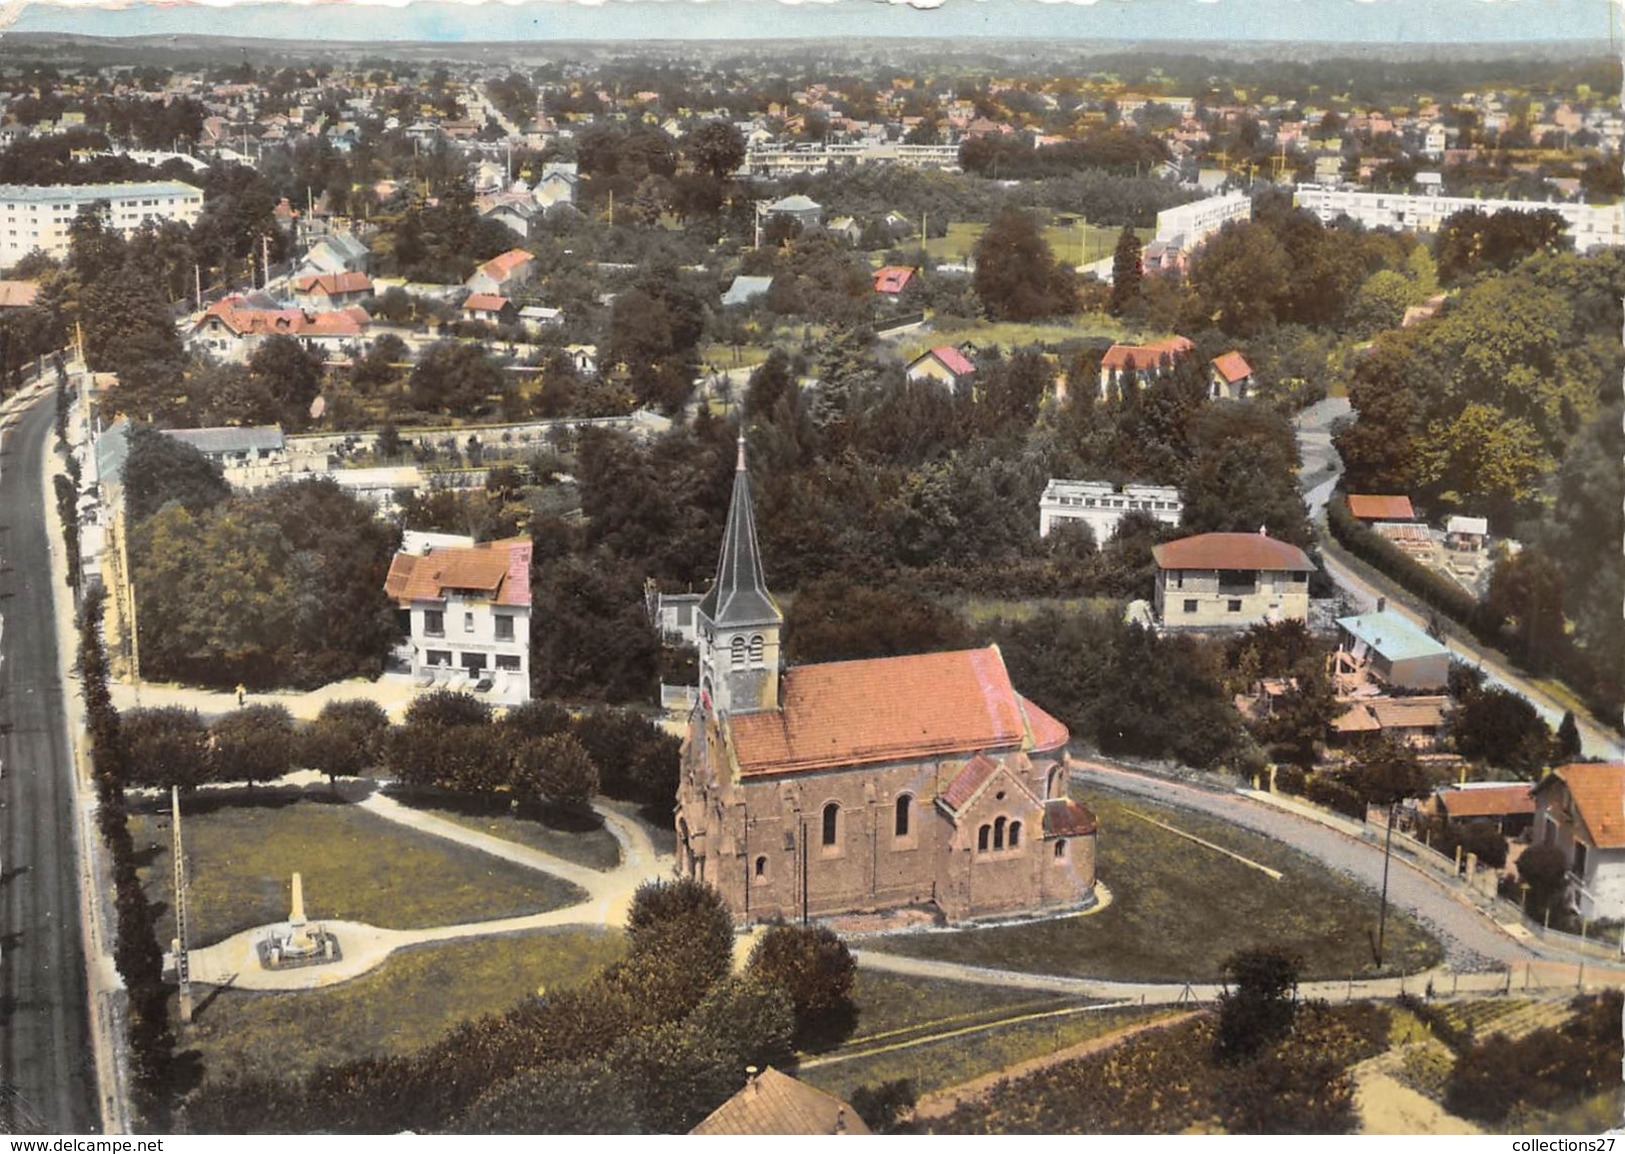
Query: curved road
[[45, 1053]]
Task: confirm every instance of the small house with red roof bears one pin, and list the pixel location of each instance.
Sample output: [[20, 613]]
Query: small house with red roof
[[466, 608], [1134, 366], [1508, 808], [892, 280], [1230, 581], [1374, 507], [1580, 809], [945, 365], [503, 275], [1230, 377], [922, 782], [333, 290], [490, 308]]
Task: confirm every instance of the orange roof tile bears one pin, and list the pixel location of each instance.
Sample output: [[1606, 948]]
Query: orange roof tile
[[1369, 507], [968, 782], [1598, 791], [1233, 367], [503, 266], [499, 569], [1232, 551], [1488, 801], [893, 278], [1064, 817], [1048, 734], [1132, 357], [775, 1103], [485, 302], [884, 709]]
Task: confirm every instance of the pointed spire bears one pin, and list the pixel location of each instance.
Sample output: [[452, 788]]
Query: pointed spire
[[739, 595]]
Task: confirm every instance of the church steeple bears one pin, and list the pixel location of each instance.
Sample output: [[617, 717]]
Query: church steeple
[[738, 618]]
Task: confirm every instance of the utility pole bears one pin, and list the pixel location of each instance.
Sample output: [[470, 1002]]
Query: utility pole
[[183, 972], [197, 286]]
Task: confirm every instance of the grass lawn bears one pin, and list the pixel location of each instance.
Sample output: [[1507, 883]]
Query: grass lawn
[[1180, 909], [1077, 244], [356, 867], [1009, 334], [591, 846], [410, 1001], [983, 610], [894, 1009]]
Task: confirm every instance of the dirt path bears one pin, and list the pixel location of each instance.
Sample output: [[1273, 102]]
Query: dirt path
[[943, 1102], [1388, 1106]]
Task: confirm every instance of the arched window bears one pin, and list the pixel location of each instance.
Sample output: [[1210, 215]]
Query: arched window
[[998, 833], [737, 651], [1015, 834], [904, 804], [981, 838], [1060, 849], [832, 820], [761, 867], [1057, 782], [756, 650]]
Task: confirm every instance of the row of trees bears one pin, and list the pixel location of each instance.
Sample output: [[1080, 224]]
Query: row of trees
[[650, 1045]]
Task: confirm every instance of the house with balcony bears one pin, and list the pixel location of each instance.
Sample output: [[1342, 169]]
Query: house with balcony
[[1580, 809], [1101, 505], [1230, 581], [466, 609]]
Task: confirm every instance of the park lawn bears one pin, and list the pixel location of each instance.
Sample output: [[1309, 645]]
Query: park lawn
[[1179, 910], [355, 867], [594, 846], [985, 610], [410, 1001]]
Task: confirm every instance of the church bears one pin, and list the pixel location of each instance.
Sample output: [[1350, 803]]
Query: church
[[923, 781]]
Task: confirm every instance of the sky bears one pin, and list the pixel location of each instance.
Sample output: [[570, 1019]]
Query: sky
[[1333, 21]]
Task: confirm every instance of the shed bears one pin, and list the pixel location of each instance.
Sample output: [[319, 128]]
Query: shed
[[1397, 651]]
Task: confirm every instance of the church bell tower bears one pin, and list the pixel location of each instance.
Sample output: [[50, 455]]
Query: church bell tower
[[739, 621]]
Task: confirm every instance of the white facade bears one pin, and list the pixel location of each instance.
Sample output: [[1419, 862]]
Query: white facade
[[1188, 225], [1590, 225], [39, 216], [1101, 505]]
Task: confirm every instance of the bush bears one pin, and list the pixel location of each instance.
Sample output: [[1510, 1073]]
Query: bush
[[1289, 779], [1335, 796], [813, 967]]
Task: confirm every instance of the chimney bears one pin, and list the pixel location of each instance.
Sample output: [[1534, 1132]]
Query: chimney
[[751, 1074]]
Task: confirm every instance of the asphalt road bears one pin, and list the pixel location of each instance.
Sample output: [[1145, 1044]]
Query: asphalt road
[[45, 1054]]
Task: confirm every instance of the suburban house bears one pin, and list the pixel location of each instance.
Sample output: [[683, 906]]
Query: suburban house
[[1419, 722], [488, 307], [1101, 505], [775, 1103], [1370, 508], [1230, 377], [557, 184], [945, 365], [1133, 366], [1466, 534], [1230, 581], [804, 210], [892, 280], [1509, 808], [232, 329], [1391, 650], [18, 294], [331, 290], [1580, 809], [467, 611], [922, 782], [336, 252], [539, 317], [503, 275]]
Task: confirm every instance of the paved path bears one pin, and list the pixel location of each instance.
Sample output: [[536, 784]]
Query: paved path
[[235, 961], [393, 691]]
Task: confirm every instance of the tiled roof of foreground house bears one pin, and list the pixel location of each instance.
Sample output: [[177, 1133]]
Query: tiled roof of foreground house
[[1599, 799], [503, 266], [1233, 367], [1131, 357], [500, 569], [1374, 507], [291, 322], [1488, 801], [892, 709], [1232, 551], [775, 1103]]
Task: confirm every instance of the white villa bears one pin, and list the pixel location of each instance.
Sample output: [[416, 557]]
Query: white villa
[[467, 608], [1101, 505]]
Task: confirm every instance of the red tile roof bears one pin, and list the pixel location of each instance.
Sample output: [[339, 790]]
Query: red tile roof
[[893, 279], [1132, 357], [486, 303], [292, 322], [1232, 551], [952, 359], [1369, 507], [334, 283], [1064, 817], [502, 267], [499, 569], [887, 709], [1487, 801], [968, 782], [1232, 366], [1599, 798]]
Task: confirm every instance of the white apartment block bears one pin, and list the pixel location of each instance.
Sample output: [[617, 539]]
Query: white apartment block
[[1101, 505], [1590, 225], [780, 160], [39, 216], [1188, 225]]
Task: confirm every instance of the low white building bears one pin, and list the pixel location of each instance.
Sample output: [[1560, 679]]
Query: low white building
[[1101, 505], [467, 610], [1580, 809]]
